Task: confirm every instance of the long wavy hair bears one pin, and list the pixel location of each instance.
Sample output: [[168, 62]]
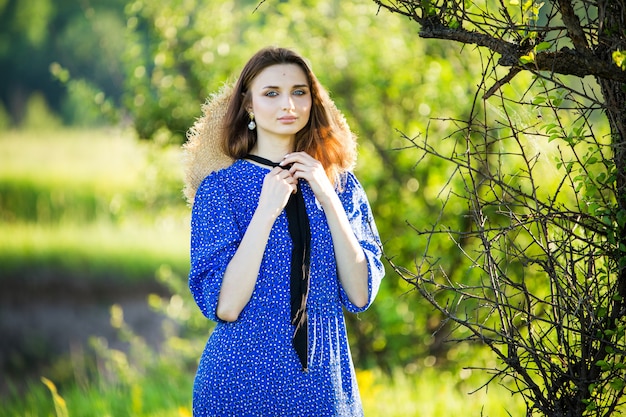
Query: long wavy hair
[[325, 137]]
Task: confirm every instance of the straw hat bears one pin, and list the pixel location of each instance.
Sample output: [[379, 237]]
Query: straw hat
[[203, 154]]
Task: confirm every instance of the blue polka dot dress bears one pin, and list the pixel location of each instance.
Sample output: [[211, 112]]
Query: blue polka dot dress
[[249, 367]]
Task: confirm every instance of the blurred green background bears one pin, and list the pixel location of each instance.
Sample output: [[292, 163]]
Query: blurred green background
[[95, 100]]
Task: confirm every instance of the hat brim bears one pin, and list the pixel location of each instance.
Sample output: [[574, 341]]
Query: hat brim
[[203, 152]]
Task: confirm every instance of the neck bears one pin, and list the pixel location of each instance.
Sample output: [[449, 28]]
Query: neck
[[273, 149]]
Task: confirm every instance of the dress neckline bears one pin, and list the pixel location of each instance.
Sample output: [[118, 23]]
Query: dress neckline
[[256, 164]]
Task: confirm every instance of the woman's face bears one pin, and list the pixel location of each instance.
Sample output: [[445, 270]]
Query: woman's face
[[281, 100]]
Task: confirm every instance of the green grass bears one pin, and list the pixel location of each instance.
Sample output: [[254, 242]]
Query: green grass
[[96, 203], [128, 252], [106, 158], [166, 391], [434, 392], [162, 391]]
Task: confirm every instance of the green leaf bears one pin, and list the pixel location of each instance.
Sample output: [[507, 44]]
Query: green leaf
[[556, 101], [619, 58], [527, 59], [542, 46], [549, 127], [603, 365], [618, 384], [591, 405]]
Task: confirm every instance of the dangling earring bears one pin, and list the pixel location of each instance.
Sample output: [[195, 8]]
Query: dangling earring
[[251, 125]]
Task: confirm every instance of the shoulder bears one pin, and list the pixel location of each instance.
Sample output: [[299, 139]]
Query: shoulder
[[220, 178], [239, 182], [212, 183], [350, 192], [215, 185], [348, 183]]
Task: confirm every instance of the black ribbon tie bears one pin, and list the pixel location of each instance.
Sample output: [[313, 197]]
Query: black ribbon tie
[[300, 233]]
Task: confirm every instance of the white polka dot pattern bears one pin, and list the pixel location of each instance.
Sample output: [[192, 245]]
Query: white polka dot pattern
[[249, 367]]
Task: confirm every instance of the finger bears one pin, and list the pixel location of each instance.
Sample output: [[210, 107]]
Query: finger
[[277, 171], [287, 180], [296, 169], [300, 169], [280, 173], [296, 157], [284, 176]]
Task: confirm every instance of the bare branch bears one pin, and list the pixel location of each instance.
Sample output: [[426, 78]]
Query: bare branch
[[574, 30], [494, 88]]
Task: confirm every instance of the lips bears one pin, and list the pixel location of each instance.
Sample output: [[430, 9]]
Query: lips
[[287, 119]]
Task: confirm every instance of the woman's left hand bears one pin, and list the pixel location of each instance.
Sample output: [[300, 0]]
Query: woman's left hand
[[311, 170]]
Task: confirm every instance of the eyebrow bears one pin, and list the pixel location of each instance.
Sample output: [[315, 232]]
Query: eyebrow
[[277, 87]]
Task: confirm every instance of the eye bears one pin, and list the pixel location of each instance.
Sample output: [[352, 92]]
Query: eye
[[271, 93], [299, 92]]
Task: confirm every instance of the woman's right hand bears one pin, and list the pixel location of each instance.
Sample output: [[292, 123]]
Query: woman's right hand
[[278, 185]]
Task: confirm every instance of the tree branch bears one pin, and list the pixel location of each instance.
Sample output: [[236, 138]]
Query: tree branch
[[574, 30], [564, 61], [569, 62], [494, 88], [580, 62]]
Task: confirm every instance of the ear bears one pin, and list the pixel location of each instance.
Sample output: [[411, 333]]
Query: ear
[[246, 101]]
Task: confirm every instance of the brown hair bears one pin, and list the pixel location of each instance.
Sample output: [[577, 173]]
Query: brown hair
[[325, 137]]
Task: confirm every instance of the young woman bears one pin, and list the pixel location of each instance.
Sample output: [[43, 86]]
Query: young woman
[[282, 239]]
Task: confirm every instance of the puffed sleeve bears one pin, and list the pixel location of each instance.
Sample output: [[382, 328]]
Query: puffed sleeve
[[359, 213], [214, 241]]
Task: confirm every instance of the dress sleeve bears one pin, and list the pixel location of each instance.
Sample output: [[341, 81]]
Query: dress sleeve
[[214, 241], [359, 213]]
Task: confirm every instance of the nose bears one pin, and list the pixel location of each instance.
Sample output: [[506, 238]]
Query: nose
[[288, 103]]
